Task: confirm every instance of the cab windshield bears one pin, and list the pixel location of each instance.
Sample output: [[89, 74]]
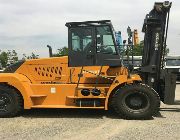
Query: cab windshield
[[105, 42]]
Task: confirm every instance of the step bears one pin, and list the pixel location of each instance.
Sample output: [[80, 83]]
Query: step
[[111, 76], [65, 106], [86, 97], [37, 96], [84, 87]]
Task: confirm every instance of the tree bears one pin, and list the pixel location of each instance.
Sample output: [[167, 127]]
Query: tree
[[138, 49], [61, 52], [12, 57], [3, 58], [32, 56], [7, 58]]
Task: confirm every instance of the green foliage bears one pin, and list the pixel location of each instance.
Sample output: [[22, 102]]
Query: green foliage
[[12, 56], [61, 52], [32, 56], [138, 49], [3, 58], [8, 57]]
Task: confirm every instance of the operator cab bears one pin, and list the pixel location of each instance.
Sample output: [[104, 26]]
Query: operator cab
[[92, 43]]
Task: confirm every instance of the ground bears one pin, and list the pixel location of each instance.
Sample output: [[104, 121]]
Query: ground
[[91, 125]]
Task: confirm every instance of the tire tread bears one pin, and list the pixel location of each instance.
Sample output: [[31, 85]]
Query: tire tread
[[18, 98], [125, 116]]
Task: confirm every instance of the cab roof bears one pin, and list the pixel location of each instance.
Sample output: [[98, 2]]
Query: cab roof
[[88, 23]]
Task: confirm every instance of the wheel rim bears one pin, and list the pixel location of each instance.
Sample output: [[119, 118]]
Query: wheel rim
[[136, 102], [4, 103]]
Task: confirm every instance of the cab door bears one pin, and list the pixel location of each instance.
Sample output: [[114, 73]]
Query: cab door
[[81, 46], [106, 51]]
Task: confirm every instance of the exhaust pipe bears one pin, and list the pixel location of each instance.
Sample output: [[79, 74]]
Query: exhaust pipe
[[50, 51]]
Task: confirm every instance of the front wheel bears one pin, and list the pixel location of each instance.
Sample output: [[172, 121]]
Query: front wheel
[[136, 102]]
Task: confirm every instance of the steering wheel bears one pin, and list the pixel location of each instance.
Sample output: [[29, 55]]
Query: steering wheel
[[88, 48], [105, 49]]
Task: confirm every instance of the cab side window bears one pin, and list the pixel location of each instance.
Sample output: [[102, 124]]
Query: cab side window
[[105, 43], [81, 39]]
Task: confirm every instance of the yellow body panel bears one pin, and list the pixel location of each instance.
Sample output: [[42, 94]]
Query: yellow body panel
[[121, 80], [50, 83], [21, 83]]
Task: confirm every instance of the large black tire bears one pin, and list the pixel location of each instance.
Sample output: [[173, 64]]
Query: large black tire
[[136, 101], [11, 102]]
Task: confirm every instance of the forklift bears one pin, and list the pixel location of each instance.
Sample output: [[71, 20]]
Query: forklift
[[93, 76]]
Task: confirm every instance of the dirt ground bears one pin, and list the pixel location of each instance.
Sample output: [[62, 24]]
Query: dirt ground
[[76, 124]]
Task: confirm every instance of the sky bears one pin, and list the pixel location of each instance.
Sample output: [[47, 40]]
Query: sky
[[29, 25]]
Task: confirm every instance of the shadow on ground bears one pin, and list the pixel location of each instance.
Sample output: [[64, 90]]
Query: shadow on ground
[[69, 113], [72, 113], [159, 115], [85, 113], [177, 102], [170, 109]]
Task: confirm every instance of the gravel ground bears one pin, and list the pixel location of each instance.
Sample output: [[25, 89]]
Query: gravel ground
[[91, 124]]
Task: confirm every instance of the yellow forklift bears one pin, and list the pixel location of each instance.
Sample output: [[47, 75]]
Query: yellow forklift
[[92, 76]]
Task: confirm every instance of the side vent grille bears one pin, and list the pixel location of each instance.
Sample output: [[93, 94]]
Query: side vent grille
[[48, 71]]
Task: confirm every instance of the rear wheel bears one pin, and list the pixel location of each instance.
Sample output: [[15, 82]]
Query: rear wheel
[[11, 103], [136, 102]]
